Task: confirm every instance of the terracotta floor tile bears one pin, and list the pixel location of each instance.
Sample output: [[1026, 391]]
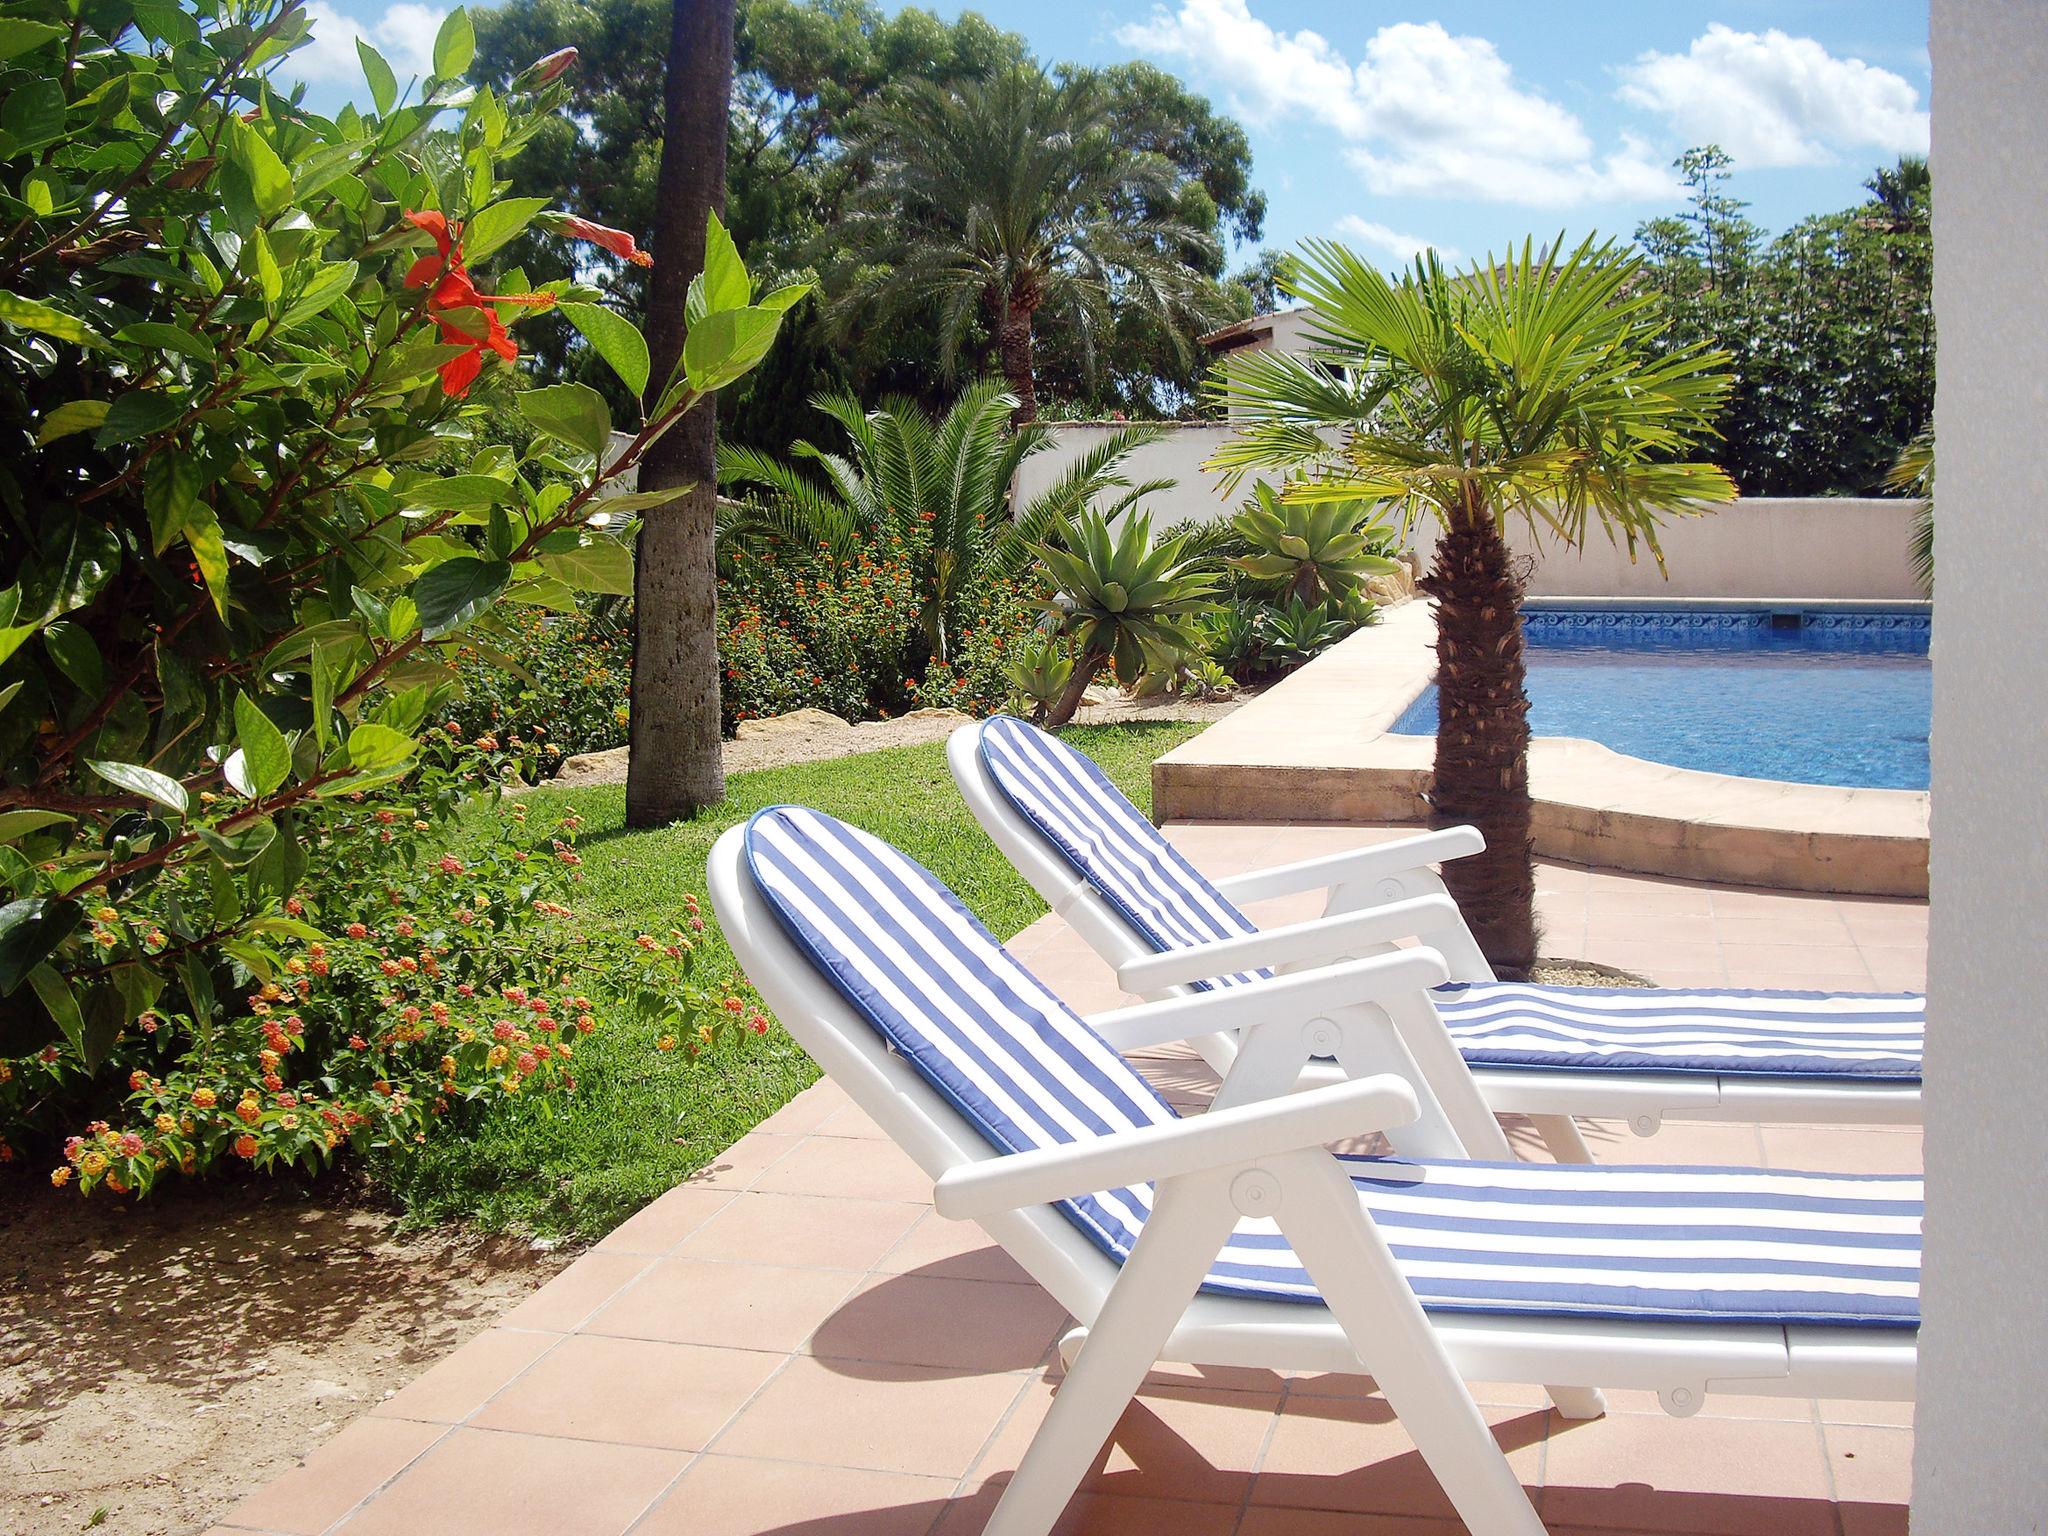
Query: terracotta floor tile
[[1842, 959], [808, 1110], [1802, 931], [1099, 1514], [1700, 1476], [1776, 978], [740, 1164], [335, 1478], [463, 1382], [842, 1167], [1171, 1443], [479, 1482], [956, 1249], [731, 1496], [853, 1121], [1352, 1454], [908, 1418], [973, 1325], [576, 1292], [1276, 1521], [740, 1306], [1831, 1149], [1647, 899], [802, 1231], [631, 1392], [1652, 960], [1888, 1415], [666, 1220], [1689, 1141], [1873, 1472]]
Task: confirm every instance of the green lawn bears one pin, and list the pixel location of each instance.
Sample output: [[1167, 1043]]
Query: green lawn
[[642, 1120]]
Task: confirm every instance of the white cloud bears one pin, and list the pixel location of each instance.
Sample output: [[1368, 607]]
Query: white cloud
[[1392, 244], [404, 33], [1425, 113], [1773, 99]]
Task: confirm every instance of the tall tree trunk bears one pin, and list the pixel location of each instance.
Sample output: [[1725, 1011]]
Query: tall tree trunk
[[1085, 668], [1013, 339], [675, 766], [1482, 737]]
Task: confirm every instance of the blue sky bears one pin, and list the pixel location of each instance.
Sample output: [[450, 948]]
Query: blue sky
[[1463, 125]]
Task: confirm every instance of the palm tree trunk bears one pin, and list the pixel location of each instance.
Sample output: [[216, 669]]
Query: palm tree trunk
[[1070, 698], [675, 766], [1482, 737], [1013, 339]]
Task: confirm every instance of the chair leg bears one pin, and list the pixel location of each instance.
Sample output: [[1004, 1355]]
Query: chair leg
[[1561, 1136], [1191, 1219], [1353, 1268]]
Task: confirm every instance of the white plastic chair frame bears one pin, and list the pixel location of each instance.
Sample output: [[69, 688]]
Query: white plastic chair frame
[[1262, 1151], [1378, 896]]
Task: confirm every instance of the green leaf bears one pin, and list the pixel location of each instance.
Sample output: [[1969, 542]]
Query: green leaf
[[265, 752], [726, 344], [29, 931], [15, 825], [18, 36], [146, 782], [87, 562], [573, 413], [72, 416], [244, 844], [455, 493], [383, 84], [269, 181], [372, 747], [615, 339], [32, 114], [32, 315], [170, 492], [165, 338], [602, 565], [61, 1002], [489, 228], [726, 284], [782, 299], [454, 45], [328, 284], [76, 654], [138, 413], [209, 553], [456, 591]]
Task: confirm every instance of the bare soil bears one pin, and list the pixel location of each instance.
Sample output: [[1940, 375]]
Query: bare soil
[[161, 1360]]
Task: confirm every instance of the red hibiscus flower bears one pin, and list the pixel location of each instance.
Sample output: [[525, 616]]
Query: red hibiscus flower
[[617, 241], [465, 317]]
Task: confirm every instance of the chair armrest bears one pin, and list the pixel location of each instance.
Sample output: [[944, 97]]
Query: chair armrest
[[1358, 864], [1317, 938], [1222, 1138], [1300, 995]]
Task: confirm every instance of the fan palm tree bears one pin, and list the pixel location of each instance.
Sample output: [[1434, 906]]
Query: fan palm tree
[[941, 486], [1528, 390], [997, 200]]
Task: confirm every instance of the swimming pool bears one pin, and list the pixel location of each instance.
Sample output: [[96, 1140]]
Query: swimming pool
[[1819, 696]]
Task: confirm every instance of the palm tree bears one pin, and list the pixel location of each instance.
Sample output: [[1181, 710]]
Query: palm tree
[[941, 486], [996, 200], [676, 764], [1530, 390]]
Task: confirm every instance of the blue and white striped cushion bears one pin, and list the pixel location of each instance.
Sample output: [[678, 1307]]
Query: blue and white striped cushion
[[1872, 1035], [1170, 905], [1515, 1238], [1100, 833]]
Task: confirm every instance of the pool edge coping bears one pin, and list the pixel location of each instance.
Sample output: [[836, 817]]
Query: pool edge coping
[[1317, 747]]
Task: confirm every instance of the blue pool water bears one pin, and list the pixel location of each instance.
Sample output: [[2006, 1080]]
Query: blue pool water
[[1815, 698]]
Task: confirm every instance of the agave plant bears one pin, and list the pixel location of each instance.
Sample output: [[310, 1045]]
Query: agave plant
[[1230, 636], [1127, 604], [1294, 633], [1309, 553], [1038, 670], [942, 487]]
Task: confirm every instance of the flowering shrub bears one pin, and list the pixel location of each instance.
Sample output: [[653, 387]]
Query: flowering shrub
[[241, 353], [1004, 617], [412, 985], [563, 679]]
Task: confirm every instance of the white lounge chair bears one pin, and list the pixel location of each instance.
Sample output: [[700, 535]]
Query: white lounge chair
[[1236, 1238], [1548, 1052]]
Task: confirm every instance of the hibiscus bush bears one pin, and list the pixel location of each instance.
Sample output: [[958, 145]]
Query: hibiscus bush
[[254, 507]]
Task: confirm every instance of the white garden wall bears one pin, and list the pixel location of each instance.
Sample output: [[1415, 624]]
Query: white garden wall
[[1759, 547]]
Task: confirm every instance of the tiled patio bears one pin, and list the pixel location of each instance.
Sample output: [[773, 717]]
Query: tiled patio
[[794, 1343]]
